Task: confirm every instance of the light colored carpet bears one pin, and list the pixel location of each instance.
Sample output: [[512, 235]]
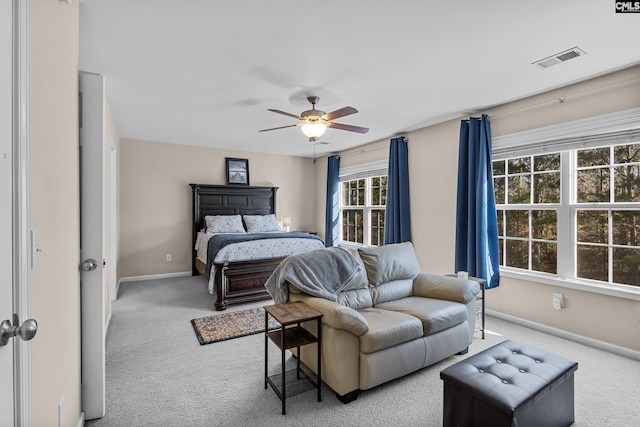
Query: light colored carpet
[[158, 374]]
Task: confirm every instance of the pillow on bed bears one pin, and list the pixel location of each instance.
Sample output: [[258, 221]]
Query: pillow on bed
[[261, 223], [224, 224]]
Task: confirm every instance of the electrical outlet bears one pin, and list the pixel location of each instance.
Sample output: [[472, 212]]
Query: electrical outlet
[[558, 301], [168, 257]]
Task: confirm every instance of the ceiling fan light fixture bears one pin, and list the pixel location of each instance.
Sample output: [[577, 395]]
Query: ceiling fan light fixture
[[314, 129]]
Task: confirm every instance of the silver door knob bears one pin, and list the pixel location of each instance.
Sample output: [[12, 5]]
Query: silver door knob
[[89, 265], [26, 331]]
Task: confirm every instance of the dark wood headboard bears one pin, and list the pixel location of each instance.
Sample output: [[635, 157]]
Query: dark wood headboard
[[229, 200]]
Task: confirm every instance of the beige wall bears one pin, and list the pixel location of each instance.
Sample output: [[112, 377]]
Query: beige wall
[[433, 157], [53, 127], [155, 198]]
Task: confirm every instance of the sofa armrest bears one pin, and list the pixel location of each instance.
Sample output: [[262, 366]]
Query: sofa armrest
[[445, 287], [336, 315]]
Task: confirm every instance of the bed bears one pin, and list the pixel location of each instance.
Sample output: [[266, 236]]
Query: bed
[[237, 268]]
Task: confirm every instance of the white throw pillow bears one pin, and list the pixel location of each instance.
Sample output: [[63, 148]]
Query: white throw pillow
[[261, 223], [224, 224]]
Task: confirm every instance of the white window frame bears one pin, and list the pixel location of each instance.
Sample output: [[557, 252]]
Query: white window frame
[[361, 171], [609, 129]]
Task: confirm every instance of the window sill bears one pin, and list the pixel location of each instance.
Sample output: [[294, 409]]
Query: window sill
[[619, 291]]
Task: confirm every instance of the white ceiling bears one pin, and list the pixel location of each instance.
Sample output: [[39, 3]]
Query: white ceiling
[[203, 72]]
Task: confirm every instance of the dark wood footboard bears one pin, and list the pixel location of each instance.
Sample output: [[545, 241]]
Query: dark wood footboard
[[240, 282]]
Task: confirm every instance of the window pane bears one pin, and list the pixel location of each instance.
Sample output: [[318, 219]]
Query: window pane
[[377, 227], [383, 190], [345, 193], [361, 193], [547, 188], [352, 225], [498, 188], [517, 252], [593, 262], [547, 162], [593, 157], [498, 167], [501, 248], [517, 224], [378, 190], [627, 153], [519, 165], [626, 266], [499, 214], [593, 185], [544, 257], [627, 183], [626, 228], [375, 196], [544, 224], [519, 189], [592, 226]]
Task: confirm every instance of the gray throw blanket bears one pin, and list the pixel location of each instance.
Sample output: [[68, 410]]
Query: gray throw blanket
[[321, 273]]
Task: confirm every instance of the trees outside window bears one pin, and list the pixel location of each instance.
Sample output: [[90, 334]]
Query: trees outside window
[[362, 206], [585, 201]]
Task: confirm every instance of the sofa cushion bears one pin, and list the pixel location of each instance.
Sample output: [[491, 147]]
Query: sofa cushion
[[390, 262], [356, 298], [435, 315], [387, 329], [391, 291]]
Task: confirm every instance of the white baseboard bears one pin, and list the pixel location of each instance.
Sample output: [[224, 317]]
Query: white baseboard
[[602, 345], [81, 420], [153, 277]]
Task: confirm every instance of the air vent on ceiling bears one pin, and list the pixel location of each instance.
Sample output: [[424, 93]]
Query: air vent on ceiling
[[560, 57]]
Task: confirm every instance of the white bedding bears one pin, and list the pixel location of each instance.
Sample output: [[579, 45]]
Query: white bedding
[[253, 250]]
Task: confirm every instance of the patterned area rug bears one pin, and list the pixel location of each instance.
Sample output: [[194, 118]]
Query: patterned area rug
[[227, 326]]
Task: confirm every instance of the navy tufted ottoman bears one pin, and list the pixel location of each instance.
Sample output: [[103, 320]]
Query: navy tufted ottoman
[[509, 384]]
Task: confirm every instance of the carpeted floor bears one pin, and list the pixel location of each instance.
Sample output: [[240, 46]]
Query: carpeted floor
[[158, 374]]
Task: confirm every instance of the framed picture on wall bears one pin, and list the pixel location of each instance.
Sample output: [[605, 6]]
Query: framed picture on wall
[[237, 171]]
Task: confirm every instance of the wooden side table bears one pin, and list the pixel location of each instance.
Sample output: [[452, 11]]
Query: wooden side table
[[291, 334]]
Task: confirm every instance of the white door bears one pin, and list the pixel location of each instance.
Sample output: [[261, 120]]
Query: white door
[[92, 246], [6, 179], [15, 355]]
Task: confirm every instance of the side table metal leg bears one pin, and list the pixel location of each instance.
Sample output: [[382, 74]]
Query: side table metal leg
[[483, 311], [266, 348], [319, 360], [284, 391]]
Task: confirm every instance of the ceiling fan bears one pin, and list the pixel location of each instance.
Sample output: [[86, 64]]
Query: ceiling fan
[[315, 122]]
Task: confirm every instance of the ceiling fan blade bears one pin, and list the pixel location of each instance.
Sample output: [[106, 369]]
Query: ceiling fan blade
[[281, 127], [285, 113], [345, 111], [350, 128]]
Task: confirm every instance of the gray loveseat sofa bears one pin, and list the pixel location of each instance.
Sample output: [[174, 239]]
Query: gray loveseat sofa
[[391, 322]]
